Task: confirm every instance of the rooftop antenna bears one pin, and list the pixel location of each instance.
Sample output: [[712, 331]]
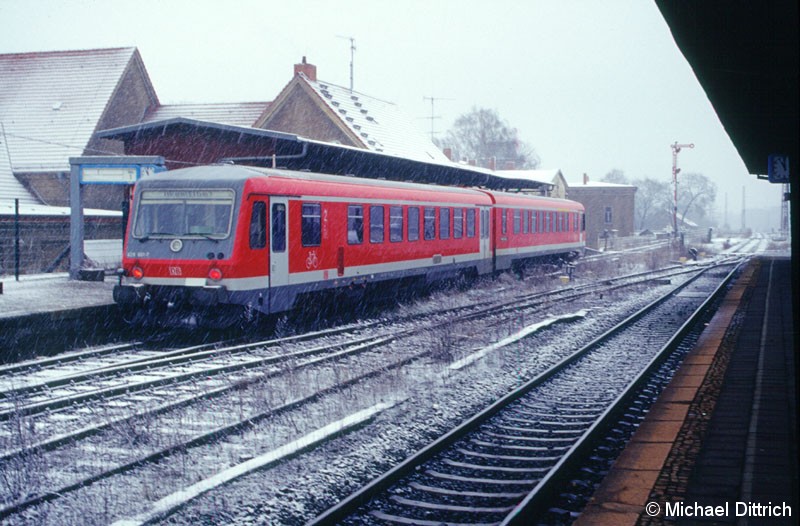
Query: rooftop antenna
[[352, 54], [433, 113]]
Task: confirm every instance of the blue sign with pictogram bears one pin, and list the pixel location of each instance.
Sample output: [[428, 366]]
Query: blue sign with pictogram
[[778, 169]]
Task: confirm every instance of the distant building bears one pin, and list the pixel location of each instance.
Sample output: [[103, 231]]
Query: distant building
[[609, 210]]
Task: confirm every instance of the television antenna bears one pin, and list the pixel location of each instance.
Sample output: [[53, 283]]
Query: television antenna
[[352, 55], [433, 112]]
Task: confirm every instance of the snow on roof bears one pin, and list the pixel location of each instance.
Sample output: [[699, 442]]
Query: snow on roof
[[10, 187], [380, 126], [538, 176], [236, 113], [51, 102], [29, 209], [598, 184]]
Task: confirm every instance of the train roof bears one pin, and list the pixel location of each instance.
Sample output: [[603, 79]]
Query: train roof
[[239, 174]]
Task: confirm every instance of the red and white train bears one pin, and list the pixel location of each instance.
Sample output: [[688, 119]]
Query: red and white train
[[214, 243]]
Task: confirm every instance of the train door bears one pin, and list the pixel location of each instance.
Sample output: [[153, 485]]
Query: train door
[[278, 250], [486, 238]]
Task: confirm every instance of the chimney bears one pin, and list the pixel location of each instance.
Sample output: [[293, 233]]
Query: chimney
[[309, 70], [492, 163], [585, 178], [448, 152]]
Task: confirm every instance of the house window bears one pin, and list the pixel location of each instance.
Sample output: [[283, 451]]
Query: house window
[[311, 231], [355, 224], [376, 224], [608, 215]]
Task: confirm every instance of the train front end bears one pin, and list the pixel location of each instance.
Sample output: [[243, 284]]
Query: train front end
[[179, 261]]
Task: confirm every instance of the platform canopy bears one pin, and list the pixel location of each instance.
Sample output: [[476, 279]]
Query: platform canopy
[[188, 142]]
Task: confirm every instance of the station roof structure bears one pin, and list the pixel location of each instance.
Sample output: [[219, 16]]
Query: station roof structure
[[745, 56], [185, 141]]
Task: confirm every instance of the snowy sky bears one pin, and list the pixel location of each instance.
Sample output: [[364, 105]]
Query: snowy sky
[[592, 86]]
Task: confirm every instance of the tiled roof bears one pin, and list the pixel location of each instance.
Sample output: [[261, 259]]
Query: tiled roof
[[236, 113], [381, 126], [51, 103], [10, 187]]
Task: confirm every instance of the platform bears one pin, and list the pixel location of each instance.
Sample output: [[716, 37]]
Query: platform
[[720, 444], [51, 293]]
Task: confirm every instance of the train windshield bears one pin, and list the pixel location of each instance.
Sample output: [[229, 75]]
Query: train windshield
[[184, 213]]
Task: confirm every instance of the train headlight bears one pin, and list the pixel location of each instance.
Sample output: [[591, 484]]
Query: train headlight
[[215, 274], [137, 272]]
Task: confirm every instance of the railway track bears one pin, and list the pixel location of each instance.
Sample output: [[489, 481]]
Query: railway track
[[96, 410], [506, 461]]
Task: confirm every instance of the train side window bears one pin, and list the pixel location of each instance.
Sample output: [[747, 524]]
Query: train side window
[[503, 221], [258, 225], [458, 223], [278, 227], [486, 226], [413, 223], [376, 224], [525, 215], [533, 221], [355, 224], [444, 223], [430, 223], [470, 222], [516, 221], [395, 223], [311, 225]]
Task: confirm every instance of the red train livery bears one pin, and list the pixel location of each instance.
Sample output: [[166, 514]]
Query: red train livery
[[214, 243]]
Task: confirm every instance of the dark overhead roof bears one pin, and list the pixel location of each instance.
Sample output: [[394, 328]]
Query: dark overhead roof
[[745, 55], [181, 140]]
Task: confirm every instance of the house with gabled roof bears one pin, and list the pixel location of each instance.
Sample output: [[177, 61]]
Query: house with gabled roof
[[51, 103], [327, 112]]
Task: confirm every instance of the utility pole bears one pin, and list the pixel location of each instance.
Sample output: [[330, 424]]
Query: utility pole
[[676, 148], [352, 55], [433, 115]]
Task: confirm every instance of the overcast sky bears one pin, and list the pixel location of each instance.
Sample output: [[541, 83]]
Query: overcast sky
[[591, 85]]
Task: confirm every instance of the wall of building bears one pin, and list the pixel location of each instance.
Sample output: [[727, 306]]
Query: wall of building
[[609, 209], [301, 116]]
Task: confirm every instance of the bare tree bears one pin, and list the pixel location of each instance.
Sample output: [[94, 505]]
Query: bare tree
[[652, 205], [481, 135], [696, 194], [616, 176]]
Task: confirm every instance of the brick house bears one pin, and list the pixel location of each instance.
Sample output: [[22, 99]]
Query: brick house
[[609, 210], [51, 103]]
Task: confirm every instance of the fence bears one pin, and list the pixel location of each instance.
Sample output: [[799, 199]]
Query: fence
[[31, 244]]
